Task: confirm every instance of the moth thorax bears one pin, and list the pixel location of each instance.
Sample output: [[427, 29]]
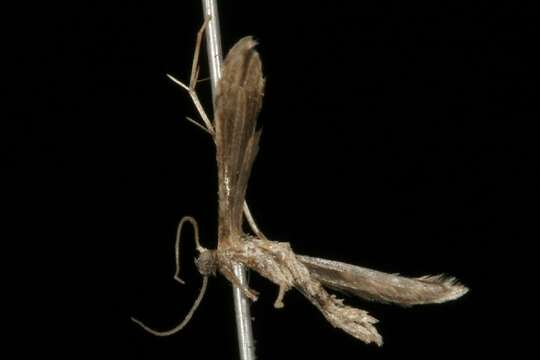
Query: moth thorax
[[206, 262]]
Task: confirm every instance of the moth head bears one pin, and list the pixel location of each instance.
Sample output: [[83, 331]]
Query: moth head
[[206, 262]]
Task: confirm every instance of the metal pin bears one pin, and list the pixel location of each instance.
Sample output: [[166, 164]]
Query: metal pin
[[241, 304]]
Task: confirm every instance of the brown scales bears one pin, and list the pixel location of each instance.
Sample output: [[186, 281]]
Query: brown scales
[[238, 103]]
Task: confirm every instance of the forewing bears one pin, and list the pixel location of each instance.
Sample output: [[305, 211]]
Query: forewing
[[383, 287], [238, 102]]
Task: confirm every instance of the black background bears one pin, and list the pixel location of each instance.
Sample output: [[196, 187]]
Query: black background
[[396, 136]]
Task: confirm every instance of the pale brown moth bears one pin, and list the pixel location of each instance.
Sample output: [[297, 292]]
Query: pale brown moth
[[237, 105]]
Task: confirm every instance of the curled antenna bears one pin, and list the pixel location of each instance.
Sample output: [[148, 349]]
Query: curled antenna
[[193, 222], [199, 298]]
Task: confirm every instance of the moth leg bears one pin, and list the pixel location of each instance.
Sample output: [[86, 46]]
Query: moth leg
[[229, 275], [283, 288], [194, 78], [208, 127], [252, 223], [194, 122], [198, 44]]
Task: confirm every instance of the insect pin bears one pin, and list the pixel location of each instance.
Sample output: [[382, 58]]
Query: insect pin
[[235, 134]]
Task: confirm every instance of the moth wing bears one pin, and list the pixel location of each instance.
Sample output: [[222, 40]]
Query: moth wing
[[238, 103], [378, 286]]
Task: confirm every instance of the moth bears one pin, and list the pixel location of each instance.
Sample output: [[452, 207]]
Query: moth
[[234, 130]]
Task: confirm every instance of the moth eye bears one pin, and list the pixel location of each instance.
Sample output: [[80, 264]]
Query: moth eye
[[206, 263]]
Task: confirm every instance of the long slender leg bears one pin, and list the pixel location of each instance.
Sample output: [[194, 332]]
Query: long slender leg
[[195, 64], [202, 113], [252, 223], [193, 80]]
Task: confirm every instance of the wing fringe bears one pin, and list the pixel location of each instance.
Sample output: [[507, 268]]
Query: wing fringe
[[383, 287]]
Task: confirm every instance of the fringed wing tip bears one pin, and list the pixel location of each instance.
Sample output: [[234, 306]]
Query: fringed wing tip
[[453, 288]]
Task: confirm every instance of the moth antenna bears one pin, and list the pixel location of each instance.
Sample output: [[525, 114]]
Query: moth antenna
[[193, 222], [186, 319], [252, 223], [197, 301]]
